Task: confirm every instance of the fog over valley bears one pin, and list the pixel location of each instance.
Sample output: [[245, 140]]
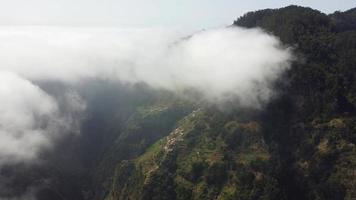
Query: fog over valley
[[261, 108]]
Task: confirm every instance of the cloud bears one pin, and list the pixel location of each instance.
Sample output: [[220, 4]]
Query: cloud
[[220, 64], [25, 113], [30, 119]]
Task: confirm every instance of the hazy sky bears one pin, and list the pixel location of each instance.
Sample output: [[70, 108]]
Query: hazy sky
[[148, 13]]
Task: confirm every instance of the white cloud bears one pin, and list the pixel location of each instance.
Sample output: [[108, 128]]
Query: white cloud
[[29, 119], [221, 64], [25, 113]]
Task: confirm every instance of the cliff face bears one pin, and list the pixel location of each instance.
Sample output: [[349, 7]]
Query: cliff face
[[300, 146]]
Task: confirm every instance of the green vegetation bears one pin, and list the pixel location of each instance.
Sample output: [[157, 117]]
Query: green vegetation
[[302, 146], [196, 161], [311, 126]]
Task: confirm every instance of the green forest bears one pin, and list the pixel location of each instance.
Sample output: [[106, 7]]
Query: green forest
[[300, 146]]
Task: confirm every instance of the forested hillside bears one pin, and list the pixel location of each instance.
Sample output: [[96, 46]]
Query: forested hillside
[[299, 146]]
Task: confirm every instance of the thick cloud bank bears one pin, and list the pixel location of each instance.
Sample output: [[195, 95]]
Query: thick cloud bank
[[219, 65]]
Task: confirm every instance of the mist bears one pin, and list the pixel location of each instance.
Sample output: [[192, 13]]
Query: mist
[[220, 64], [42, 71]]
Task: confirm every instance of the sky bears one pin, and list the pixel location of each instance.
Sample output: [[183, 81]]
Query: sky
[[144, 13]]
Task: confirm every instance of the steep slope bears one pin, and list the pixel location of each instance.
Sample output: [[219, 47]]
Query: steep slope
[[148, 123], [317, 110], [207, 156], [301, 146]]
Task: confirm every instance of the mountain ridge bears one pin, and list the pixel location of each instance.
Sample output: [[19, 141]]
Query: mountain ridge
[[302, 146]]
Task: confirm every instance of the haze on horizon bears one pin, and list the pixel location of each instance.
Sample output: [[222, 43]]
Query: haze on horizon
[[139, 13]]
